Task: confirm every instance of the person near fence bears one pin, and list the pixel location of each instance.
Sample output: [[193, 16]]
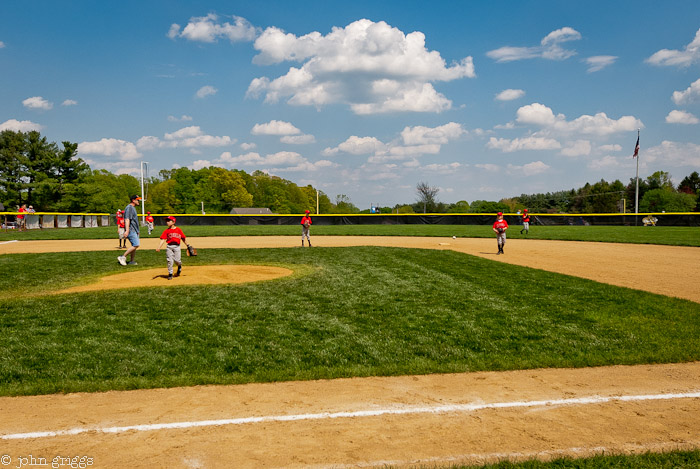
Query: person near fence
[[172, 235], [499, 227], [21, 220], [131, 231], [305, 225], [121, 229]]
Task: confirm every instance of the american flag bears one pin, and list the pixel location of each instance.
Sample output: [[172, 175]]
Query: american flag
[[636, 149]]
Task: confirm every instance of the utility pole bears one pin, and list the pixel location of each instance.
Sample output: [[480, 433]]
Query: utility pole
[[143, 195]]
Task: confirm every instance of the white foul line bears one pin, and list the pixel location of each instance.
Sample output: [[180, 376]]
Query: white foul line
[[8, 242], [438, 409]]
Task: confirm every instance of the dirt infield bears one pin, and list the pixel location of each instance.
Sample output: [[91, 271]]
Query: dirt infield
[[191, 275], [404, 421]]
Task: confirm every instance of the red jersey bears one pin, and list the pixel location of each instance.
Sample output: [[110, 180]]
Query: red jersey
[[21, 210], [526, 218], [149, 219], [306, 220], [120, 220], [500, 224], [173, 235]]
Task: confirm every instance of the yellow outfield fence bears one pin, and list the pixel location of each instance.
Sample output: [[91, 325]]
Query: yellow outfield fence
[[47, 220]]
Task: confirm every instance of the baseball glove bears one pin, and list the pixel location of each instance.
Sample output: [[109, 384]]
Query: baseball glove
[[191, 250], [500, 230]]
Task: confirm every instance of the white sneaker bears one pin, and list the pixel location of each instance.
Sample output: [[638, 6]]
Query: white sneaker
[[122, 260]]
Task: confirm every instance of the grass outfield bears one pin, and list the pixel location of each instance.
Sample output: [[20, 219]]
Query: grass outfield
[[670, 235], [670, 460], [347, 312]]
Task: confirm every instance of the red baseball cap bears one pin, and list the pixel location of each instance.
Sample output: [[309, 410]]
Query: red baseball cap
[[499, 213], [307, 212], [150, 212], [171, 219]]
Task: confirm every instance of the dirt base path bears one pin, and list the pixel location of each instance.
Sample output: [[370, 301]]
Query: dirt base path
[[403, 421], [436, 420]]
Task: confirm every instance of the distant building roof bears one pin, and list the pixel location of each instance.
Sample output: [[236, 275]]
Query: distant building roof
[[251, 211]]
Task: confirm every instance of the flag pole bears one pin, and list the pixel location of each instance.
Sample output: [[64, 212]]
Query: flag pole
[[636, 191]]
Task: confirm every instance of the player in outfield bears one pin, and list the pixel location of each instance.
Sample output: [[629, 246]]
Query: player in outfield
[[305, 224], [121, 229], [526, 222], [499, 227], [172, 235], [149, 223]]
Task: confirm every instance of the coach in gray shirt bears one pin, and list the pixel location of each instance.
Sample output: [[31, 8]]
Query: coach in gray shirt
[[131, 230]]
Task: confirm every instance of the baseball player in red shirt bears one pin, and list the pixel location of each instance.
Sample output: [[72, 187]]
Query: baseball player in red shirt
[[499, 227], [149, 222], [120, 229], [305, 224], [172, 235], [526, 222]]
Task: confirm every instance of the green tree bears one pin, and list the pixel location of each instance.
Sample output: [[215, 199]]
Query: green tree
[[664, 200], [343, 204], [12, 168], [163, 198], [485, 206], [459, 207]]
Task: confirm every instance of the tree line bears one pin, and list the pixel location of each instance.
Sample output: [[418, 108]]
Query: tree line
[[50, 177]]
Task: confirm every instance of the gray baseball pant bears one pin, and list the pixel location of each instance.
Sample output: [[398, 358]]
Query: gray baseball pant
[[174, 255]]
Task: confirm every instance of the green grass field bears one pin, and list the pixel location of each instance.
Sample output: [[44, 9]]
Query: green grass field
[[670, 235], [671, 460], [347, 312]]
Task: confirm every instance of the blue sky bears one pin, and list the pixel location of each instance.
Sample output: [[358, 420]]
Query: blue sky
[[484, 100]]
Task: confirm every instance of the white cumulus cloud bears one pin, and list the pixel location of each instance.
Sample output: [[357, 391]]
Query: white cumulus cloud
[[577, 148], [680, 58], [420, 135], [110, 147], [37, 102], [510, 95], [275, 127], [69, 102], [372, 67], [599, 124], [688, 95], [357, 146], [205, 91], [599, 62], [681, 117], [674, 154], [209, 29], [20, 126], [527, 143], [529, 169], [549, 48], [298, 139], [191, 137]]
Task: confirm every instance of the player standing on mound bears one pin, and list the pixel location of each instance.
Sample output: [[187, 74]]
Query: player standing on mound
[[172, 235], [526, 222], [499, 227], [149, 222], [305, 224]]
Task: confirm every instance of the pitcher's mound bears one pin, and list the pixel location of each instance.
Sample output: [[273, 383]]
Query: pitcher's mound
[[194, 275]]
